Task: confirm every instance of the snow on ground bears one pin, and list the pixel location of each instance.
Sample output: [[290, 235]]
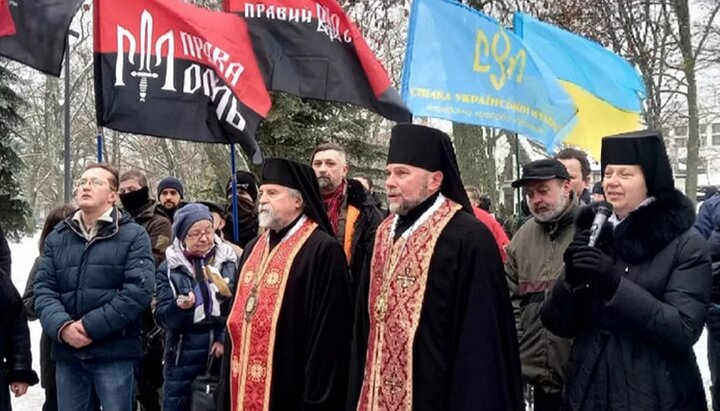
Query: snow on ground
[[23, 255]]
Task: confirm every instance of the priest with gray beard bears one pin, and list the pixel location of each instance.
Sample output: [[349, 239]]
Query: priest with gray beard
[[291, 321]]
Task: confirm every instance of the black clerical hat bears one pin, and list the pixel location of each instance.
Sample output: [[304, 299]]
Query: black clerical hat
[[645, 149], [301, 177], [432, 150]]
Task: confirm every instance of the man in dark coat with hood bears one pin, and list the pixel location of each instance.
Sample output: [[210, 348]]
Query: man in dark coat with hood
[[636, 302], [291, 321], [434, 328]]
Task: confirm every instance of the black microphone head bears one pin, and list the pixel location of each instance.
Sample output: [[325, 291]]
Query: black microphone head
[[604, 208]]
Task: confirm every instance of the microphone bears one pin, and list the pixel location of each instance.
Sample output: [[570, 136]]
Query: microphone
[[604, 210]]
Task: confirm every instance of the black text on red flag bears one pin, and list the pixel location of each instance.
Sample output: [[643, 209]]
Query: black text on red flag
[[310, 48]]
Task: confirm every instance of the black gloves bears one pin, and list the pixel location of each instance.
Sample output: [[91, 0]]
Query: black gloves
[[599, 266], [713, 321], [573, 276], [585, 264]]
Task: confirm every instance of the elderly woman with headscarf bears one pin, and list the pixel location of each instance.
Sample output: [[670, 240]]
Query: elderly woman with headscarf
[[635, 303], [193, 290]]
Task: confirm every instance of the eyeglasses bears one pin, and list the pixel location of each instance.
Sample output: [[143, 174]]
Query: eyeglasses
[[208, 232], [94, 182]]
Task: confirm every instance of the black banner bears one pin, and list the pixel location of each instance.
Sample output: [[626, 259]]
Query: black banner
[[41, 28]]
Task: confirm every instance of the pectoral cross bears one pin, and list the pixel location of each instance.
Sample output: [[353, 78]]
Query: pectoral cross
[[406, 279]]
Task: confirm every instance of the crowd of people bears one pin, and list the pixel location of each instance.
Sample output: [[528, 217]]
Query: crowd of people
[[327, 301]]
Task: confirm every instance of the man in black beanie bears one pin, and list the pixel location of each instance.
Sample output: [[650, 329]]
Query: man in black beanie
[[247, 214], [434, 328], [170, 194]]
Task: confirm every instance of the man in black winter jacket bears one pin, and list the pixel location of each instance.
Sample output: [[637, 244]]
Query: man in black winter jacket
[[353, 213], [135, 198]]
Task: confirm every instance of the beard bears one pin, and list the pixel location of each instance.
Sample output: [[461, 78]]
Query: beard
[[403, 205], [268, 220], [554, 210]]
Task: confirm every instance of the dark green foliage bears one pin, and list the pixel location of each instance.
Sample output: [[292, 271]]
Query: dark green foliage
[[14, 210], [295, 126]]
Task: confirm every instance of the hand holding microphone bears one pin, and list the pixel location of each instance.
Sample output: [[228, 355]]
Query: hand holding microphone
[[592, 260], [604, 210]]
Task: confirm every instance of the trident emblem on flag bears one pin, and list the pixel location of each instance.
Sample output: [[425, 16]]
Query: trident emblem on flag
[[145, 71]]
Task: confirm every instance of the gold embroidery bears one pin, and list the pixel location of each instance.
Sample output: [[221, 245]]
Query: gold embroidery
[[252, 325], [398, 280], [257, 371], [272, 278]]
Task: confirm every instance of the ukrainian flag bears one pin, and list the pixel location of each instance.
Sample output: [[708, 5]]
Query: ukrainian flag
[[606, 89]]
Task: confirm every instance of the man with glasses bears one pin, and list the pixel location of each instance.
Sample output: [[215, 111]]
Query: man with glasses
[[96, 278]]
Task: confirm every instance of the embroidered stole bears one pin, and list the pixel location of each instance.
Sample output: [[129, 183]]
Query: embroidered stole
[[399, 274], [253, 320]]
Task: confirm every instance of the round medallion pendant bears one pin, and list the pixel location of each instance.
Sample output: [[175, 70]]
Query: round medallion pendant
[[250, 305]]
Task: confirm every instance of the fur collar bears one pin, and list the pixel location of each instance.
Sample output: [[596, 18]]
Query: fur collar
[[647, 230]]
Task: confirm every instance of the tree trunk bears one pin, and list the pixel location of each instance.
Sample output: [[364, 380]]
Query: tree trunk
[[475, 150], [682, 13]]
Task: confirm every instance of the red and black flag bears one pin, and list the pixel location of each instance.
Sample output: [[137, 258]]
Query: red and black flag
[[170, 69], [310, 48], [7, 26], [41, 28]]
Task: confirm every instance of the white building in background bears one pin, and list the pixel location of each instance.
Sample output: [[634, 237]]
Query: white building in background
[[709, 153]]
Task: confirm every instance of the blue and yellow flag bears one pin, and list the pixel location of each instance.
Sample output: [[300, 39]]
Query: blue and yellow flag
[[606, 89], [462, 66]]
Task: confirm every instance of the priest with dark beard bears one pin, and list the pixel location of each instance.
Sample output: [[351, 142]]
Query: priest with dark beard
[[434, 329], [291, 321]]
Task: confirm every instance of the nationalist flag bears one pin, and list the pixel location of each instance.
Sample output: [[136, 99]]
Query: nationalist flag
[[606, 88], [41, 28], [7, 26], [170, 69], [461, 65], [310, 48]]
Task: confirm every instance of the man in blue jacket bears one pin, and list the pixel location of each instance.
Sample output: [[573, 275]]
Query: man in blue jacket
[[708, 223], [95, 279]]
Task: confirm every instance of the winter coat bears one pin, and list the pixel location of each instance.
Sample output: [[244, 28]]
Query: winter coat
[[365, 227], [106, 282], [47, 365], [5, 259], [157, 225], [534, 264], [187, 344], [15, 354], [634, 350], [708, 223]]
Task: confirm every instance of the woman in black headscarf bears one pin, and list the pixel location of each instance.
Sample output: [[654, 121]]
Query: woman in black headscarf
[[635, 304]]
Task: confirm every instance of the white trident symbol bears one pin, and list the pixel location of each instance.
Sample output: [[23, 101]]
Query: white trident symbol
[[146, 42]]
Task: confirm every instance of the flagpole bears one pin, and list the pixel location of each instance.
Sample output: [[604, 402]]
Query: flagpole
[[68, 171], [517, 170], [236, 228], [99, 146]]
